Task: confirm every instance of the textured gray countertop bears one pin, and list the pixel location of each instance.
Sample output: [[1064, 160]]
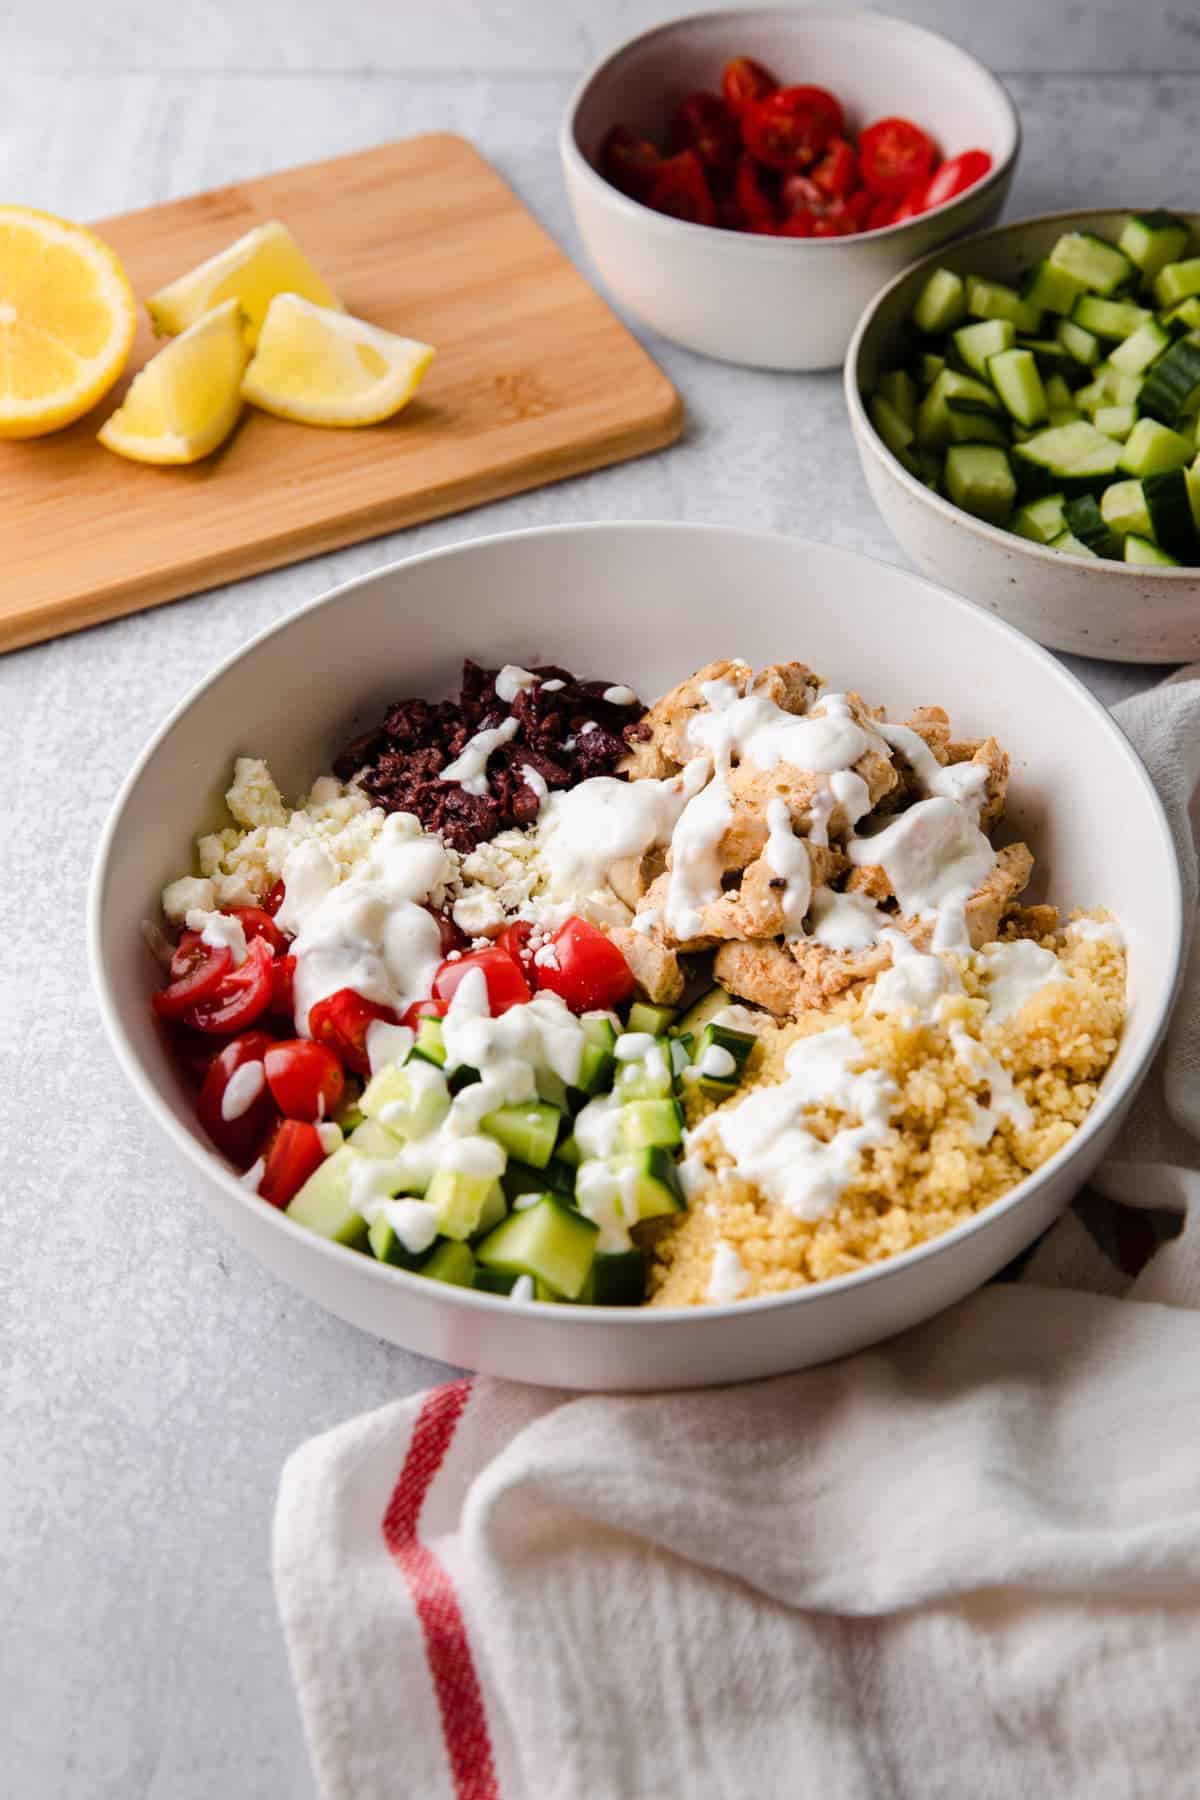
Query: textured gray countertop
[[154, 1377]]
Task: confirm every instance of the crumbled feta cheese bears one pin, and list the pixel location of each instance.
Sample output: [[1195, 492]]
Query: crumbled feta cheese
[[190, 893], [253, 798], [478, 911]]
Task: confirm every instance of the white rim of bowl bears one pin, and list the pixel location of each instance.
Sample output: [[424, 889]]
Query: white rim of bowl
[[865, 430], [762, 245], [207, 1164]]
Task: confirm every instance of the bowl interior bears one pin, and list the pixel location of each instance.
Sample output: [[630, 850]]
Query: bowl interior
[[877, 66], [643, 604]]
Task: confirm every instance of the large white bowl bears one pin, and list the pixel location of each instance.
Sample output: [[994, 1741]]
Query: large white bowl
[[1113, 610], [776, 303], [642, 603]]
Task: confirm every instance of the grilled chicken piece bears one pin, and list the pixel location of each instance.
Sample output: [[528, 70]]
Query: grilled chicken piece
[[631, 877], [1034, 922], [668, 719], [987, 905], [655, 966], [792, 686], [762, 972], [828, 974]]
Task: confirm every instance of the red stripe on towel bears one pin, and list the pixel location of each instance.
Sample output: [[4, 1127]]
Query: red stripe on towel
[[460, 1699]]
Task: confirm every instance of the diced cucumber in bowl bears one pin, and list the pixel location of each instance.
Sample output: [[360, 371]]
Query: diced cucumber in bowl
[[1061, 402]]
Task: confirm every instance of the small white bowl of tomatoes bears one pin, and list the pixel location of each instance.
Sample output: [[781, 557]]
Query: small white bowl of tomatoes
[[747, 182]]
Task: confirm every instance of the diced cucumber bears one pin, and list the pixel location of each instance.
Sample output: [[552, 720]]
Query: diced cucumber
[[899, 389], [894, 430], [596, 1068], [1192, 477], [1115, 421], [1052, 289], [1052, 359], [459, 1199], [1171, 387], [1097, 265], [1152, 240], [452, 1263], [994, 300], [348, 1118], [373, 1139], [492, 1281], [703, 1011], [547, 1241], [1109, 318], [552, 1089], [657, 1020], [1169, 504], [1086, 523], [941, 303], [1040, 520], [495, 1208], [388, 1247], [1139, 350], [1123, 508], [1071, 545], [1140, 550], [1177, 281], [987, 337], [655, 1181], [568, 1153], [971, 397], [1014, 375], [1058, 394], [430, 1041], [929, 367], [527, 1131], [619, 1278], [645, 1124], [1151, 448], [1185, 316], [980, 428], [648, 1077], [1083, 345], [520, 1178], [323, 1203], [979, 478], [1092, 394], [1120, 389], [1075, 456], [410, 1101], [737, 1044]]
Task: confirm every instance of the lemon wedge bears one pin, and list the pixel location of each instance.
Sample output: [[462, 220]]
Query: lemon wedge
[[67, 317], [328, 368], [266, 262], [187, 399]]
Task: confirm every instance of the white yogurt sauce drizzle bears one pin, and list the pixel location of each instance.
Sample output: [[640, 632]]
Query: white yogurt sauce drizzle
[[470, 768], [728, 1279], [242, 1090], [620, 696], [787, 857], [696, 865], [1016, 972], [755, 729], [582, 831], [935, 856], [844, 921], [511, 681], [1104, 931], [522, 1288], [773, 1148], [963, 782]]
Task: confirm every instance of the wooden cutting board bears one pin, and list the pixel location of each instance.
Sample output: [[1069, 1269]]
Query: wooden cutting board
[[534, 379]]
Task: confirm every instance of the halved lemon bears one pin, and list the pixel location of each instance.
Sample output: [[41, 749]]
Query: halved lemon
[[188, 398], [67, 317], [328, 368], [266, 262]]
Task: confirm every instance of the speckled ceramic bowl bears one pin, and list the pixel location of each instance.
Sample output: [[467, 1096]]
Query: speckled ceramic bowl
[[777, 303], [1105, 609], [645, 604]]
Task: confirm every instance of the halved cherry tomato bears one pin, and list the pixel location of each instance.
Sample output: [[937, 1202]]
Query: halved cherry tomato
[[705, 124], [342, 1021], [954, 177], [583, 967], [791, 128], [241, 1137], [448, 932], [680, 189], [880, 214], [197, 971], [755, 203], [241, 996], [194, 1052], [294, 1153], [273, 899], [283, 978], [257, 922], [424, 1009], [912, 204], [305, 1078], [837, 172], [628, 162], [506, 983], [799, 224], [745, 80], [894, 155], [515, 939]]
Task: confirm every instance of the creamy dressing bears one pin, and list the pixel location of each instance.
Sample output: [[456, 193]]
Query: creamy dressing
[[1097, 931], [220, 930], [534, 781], [330, 1136], [914, 987], [935, 856], [585, 829], [1005, 1102], [772, 1147], [728, 1279], [717, 1062], [413, 1221], [645, 921], [631, 1045], [609, 1198], [543, 1033], [965, 782], [511, 681], [820, 811], [370, 931], [755, 729], [844, 921], [1016, 972], [620, 695], [522, 1288], [254, 1174], [242, 1090], [470, 768], [851, 793], [387, 1043], [696, 865], [596, 1127], [787, 857]]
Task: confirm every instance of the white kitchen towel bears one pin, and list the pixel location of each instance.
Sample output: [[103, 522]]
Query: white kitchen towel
[[962, 1565]]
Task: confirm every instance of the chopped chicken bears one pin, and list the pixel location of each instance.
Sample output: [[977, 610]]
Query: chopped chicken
[[668, 719], [655, 967], [1034, 922], [792, 686], [631, 877], [764, 973]]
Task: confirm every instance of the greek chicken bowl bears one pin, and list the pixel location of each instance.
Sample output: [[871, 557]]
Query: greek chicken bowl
[[637, 956]]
